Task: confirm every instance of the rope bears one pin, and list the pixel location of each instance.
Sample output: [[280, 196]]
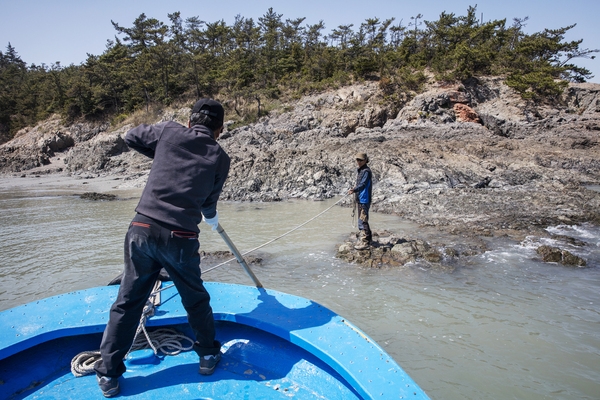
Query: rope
[[83, 363], [354, 213], [146, 313], [278, 237], [269, 242], [167, 341]]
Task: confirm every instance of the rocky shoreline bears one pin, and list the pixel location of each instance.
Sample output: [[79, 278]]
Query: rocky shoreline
[[474, 159]]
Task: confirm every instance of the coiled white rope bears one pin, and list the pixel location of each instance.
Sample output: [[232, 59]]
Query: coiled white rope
[[166, 340], [83, 363]]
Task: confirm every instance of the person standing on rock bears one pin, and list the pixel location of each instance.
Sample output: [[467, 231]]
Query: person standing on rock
[[184, 185], [363, 191]]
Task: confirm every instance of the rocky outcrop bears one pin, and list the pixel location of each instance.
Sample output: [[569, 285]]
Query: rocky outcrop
[[34, 147], [470, 158], [584, 99], [98, 153]]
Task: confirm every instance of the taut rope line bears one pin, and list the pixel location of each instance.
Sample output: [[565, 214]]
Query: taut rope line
[[269, 242], [278, 237]]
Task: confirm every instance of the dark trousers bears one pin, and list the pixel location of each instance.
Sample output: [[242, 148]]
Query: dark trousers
[[363, 221], [148, 248]]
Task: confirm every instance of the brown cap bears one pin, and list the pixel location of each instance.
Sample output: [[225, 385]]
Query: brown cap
[[362, 157]]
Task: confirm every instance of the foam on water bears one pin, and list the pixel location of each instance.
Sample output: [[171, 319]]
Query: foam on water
[[586, 232]]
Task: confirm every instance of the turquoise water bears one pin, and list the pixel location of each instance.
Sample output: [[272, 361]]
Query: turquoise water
[[501, 325]]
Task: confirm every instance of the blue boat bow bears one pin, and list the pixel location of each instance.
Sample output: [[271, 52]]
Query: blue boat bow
[[275, 344]]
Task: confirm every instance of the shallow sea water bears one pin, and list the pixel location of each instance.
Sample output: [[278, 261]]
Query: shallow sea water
[[501, 325]]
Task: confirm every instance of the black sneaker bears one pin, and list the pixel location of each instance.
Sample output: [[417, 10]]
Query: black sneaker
[[208, 364], [109, 386]]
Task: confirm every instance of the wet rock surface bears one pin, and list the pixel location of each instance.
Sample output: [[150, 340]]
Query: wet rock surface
[[552, 254], [98, 196], [213, 258], [387, 249]]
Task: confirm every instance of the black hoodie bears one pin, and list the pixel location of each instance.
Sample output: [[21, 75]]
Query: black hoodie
[[187, 175]]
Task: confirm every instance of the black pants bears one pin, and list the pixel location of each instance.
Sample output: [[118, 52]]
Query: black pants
[[148, 248]]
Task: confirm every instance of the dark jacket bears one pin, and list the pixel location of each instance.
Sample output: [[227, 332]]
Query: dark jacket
[[364, 185], [187, 175]]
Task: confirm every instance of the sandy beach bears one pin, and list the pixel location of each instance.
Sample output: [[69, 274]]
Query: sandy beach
[[63, 183]]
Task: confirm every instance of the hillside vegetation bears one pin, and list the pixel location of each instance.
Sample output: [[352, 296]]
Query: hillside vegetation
[[252, 65]]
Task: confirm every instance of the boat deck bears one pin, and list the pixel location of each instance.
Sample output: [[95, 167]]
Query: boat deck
[[274, 345]]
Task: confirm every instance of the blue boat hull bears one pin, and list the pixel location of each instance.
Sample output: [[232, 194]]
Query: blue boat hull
[[275, 345]]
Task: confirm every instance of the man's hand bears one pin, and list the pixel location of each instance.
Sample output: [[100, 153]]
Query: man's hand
[[350, 191], [212, 222]]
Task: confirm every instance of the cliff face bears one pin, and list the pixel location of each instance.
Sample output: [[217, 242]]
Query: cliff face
[[461, 157]]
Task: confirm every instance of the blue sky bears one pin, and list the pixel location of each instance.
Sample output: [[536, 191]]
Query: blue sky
[[61, 30]]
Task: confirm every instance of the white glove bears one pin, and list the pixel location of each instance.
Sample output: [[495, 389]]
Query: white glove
[[212, 222]]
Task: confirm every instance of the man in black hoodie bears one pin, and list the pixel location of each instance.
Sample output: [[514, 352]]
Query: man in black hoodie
[[185, 181]]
